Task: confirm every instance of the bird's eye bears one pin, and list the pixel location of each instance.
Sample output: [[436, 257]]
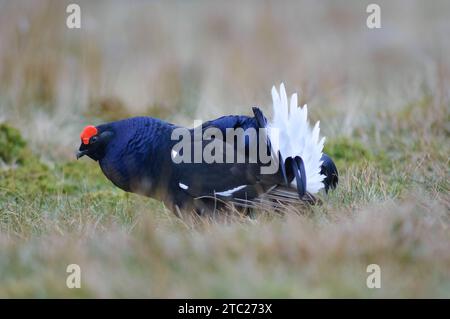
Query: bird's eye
[[94, 139]]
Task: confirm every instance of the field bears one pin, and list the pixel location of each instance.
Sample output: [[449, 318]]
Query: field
[[382, 96]]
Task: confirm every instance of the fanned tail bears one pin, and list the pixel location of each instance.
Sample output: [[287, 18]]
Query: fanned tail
[[297, 143]]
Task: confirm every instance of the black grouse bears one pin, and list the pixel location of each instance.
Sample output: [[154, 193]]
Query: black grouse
[[234, 159]]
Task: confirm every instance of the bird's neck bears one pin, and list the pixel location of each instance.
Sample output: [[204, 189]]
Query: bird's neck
[[135, 162]]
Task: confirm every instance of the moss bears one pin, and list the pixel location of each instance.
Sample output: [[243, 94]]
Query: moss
[[12, 145], [32, 177], [345, 151], [80, 176], [28, 180]]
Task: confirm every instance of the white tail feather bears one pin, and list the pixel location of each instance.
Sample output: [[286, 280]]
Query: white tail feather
[[291, 134]]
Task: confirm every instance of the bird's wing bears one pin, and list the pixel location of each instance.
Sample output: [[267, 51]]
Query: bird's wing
[[227, 180], [231, 122], [243, 180], [219, 180]]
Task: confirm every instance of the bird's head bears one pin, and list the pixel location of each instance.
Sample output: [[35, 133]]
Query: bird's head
[[94, 140]]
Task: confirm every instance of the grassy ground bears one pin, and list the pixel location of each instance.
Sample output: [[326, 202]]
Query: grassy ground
[[382, 99]]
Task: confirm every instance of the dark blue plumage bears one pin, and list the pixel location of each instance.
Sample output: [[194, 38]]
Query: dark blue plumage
[[133, 158], [137, 155]]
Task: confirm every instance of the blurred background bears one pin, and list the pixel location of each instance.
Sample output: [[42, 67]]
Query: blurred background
[[382, 95], [185, 60]]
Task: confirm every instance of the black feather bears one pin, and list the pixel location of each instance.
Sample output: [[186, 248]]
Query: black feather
[[300, 176], [329, 169]]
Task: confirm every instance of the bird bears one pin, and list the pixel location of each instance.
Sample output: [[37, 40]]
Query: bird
[[145, 155]]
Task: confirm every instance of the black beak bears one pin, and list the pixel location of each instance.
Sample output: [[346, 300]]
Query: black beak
[[81, 153]]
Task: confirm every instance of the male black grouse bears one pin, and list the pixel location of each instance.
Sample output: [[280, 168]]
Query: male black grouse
[[143, 155]]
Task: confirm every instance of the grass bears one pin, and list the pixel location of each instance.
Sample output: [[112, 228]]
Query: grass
[[389, 139]]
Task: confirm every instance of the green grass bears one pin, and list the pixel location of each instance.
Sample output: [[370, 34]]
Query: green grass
[[394, 214], [381, 95]]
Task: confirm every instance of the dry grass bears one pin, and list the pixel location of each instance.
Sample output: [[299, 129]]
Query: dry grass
[[382, 96]]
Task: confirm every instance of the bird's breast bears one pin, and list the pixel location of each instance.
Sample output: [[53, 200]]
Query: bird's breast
[[130, 172]]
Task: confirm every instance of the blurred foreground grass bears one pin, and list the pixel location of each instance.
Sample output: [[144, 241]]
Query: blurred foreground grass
[[382, 98], [394, 213]]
